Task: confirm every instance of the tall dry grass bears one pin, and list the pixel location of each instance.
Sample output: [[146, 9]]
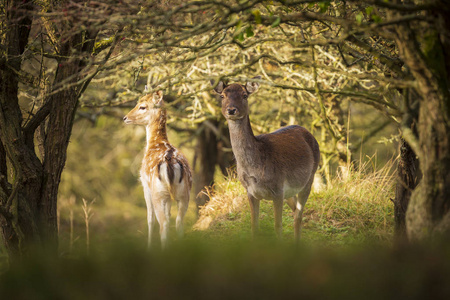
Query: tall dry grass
[[227, 197], [360, 202], [88, 213], [356, 206]]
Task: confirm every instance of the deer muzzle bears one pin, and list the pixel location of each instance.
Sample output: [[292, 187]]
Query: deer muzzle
[[231, 111], [126, 120]]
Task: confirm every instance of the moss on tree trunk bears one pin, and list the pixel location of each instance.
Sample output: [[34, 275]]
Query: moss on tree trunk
[[430, 202]]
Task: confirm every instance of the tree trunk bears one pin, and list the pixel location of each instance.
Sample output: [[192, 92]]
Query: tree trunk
[[407, 179], [430, 201], [59, 129], [207, 158], [21, 178], [29, 187], [210, 153], [408, 171], [428, 210]]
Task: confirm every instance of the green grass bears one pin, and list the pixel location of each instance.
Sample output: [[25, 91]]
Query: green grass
[[356, 209], [346, 251], [351, 210], [347, 211]]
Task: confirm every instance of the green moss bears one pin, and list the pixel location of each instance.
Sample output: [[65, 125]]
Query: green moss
[[102, 45]]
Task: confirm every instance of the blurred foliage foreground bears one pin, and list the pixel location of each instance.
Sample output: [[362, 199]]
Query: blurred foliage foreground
[[196, 270]]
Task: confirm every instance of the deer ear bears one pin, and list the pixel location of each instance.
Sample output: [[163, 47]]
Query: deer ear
[[158, 98], [219, 88], [252, 86]]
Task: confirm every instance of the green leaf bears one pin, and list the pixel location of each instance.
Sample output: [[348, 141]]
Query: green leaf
[[369, 10], [376, 18], [238, 26], [240, 36], [257, 15], [276, 22], [249, 31], [359, 17], [323, 6], [238, 30]]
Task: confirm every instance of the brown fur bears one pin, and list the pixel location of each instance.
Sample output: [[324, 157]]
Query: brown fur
[[270, 166], [159, 166]]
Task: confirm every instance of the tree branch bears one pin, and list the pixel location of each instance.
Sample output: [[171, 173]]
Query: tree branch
[[400, 7], [391, 64]]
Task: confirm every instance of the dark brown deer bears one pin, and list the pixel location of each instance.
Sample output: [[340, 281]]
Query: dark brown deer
[[165, 172], [275, 166]]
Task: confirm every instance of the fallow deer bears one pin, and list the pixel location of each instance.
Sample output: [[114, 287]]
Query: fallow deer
[[165, 172], [275, 166]]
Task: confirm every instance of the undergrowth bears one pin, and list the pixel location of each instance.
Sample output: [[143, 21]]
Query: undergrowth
[[350, 209], [218, 259]]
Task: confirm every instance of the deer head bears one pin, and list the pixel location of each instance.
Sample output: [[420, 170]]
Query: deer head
[[147, 109], [234, 98]]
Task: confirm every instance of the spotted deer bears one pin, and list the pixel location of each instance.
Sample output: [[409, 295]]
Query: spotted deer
[[274, 166], [165, 172]]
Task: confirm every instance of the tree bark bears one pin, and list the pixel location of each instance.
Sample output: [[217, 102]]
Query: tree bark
[[210, 144], [407, 179], [20, 185], [59, 129], [207, 158], [29, 187], [430, 201]]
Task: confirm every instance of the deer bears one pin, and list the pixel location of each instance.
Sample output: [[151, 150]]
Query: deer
[[275, 166], [165, 173]]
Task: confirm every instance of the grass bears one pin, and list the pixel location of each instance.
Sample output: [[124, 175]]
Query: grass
[[346, 251], [351, 210], [348, 210]]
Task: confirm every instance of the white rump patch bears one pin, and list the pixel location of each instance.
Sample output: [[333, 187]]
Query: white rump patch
[[164, 175], [290, 191]]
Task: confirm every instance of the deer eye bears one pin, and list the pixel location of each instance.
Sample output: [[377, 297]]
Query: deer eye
[[142, 107], [245, 96], [221, 96]]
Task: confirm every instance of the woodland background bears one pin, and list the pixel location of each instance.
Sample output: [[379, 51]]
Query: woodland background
[[369, 80]]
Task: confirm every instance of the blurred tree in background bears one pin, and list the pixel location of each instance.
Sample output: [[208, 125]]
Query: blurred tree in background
[[318, 59]]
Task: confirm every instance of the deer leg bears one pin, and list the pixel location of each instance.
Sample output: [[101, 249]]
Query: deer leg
[[291, 202], [183, 205], [278, 211], [254, 209], [161, 205], [298, 213], [150, 214], [166, 224], [150, 223]]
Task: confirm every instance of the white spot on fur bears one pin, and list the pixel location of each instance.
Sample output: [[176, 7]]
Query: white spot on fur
[[290, 191]]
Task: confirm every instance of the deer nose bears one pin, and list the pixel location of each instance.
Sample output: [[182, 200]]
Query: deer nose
[[231, 111]]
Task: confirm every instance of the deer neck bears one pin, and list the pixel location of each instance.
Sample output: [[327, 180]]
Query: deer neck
[[243, 141], [156, 131]]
